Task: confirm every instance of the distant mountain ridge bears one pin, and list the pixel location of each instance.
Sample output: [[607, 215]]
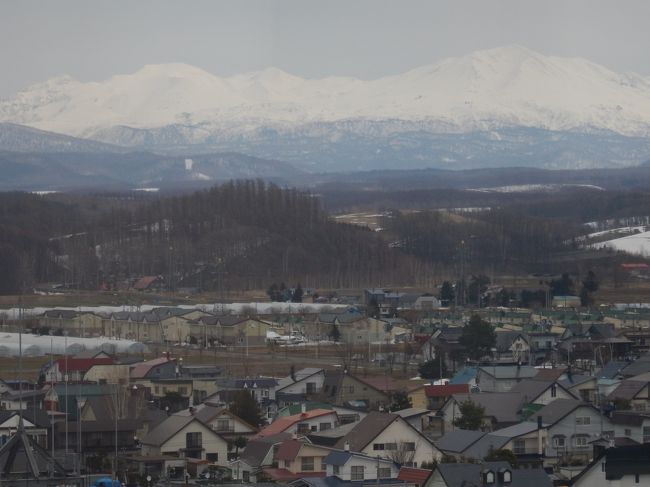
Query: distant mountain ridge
[[510, 103]]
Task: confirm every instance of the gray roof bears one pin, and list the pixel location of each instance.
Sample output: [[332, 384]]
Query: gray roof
[[366, 430], [575, 379], [532, 389], [257, 449], [485, 445], [337, 457], [458, 441], [558, 409], [611, 370], [637, 367], [510, 371], [502, 406], [469, 474]]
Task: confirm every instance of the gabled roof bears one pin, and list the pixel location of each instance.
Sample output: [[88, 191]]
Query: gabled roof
[[506, 372], [141, 370], [639, 366], [168, 428], [258, 448], [282, 424], [457, 441], [145, 282], [558, 409], [22, 457], [464, 376], [502, 406], [532, 389], [298, 376], [411, 412], [366, 430], [38, 417], [289, 449], [628, 389]]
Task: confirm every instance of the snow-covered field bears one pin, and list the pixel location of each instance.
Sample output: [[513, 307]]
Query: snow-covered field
[[638, 244]]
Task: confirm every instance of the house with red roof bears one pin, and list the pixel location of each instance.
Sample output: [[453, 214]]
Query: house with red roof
[[149, 283], [75, 368], [303, 423], [297, 458]]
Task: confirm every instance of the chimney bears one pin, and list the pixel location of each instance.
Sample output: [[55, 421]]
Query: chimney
[[346, 446], [540, 446]]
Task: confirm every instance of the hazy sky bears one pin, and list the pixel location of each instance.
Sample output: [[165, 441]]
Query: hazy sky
[[91, 40]]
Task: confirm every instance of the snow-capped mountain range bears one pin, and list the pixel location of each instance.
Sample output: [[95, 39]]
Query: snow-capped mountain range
[[272, 113]]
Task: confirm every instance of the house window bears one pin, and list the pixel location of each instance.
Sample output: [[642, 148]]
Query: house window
[[336, 470], [383, 472], [580, 441], [223, 425], [193, 440], [311, 387], [519, 447], [307, 464], [325, 426], [628, 432], [391, 446], [303, 428], [356, 472], [583, 420], [246, 476], [408, 446], [314, 427], [559, 441], [378, 446], [287, 463], [212, 457], [351, 389]]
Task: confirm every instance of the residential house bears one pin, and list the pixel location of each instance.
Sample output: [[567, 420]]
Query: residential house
[[583, 387], [625, 466], [75, 323], [17, 400], [186, 436], [526, 440], [357, 467], [341, 388], [391, 437], [502, 378], [501, 409], [262, 389], [297, 458], [634, 425], [303, 423], [414, 416], [492, 474], [635, 390], [300, 386], [572, 425], [542, 391], [74, 368], [258, 454], [220, 419]]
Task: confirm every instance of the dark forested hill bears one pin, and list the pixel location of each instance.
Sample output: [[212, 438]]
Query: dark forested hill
[[239, 235]]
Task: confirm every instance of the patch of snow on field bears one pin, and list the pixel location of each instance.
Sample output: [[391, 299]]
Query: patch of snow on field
[[638, 244]]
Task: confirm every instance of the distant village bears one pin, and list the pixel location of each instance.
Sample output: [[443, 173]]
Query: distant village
[[382, 388]]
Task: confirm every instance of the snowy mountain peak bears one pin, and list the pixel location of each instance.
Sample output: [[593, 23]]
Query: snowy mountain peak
[[508, 86]]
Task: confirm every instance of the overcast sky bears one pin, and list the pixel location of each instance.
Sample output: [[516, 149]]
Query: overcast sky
[[92, 40]]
